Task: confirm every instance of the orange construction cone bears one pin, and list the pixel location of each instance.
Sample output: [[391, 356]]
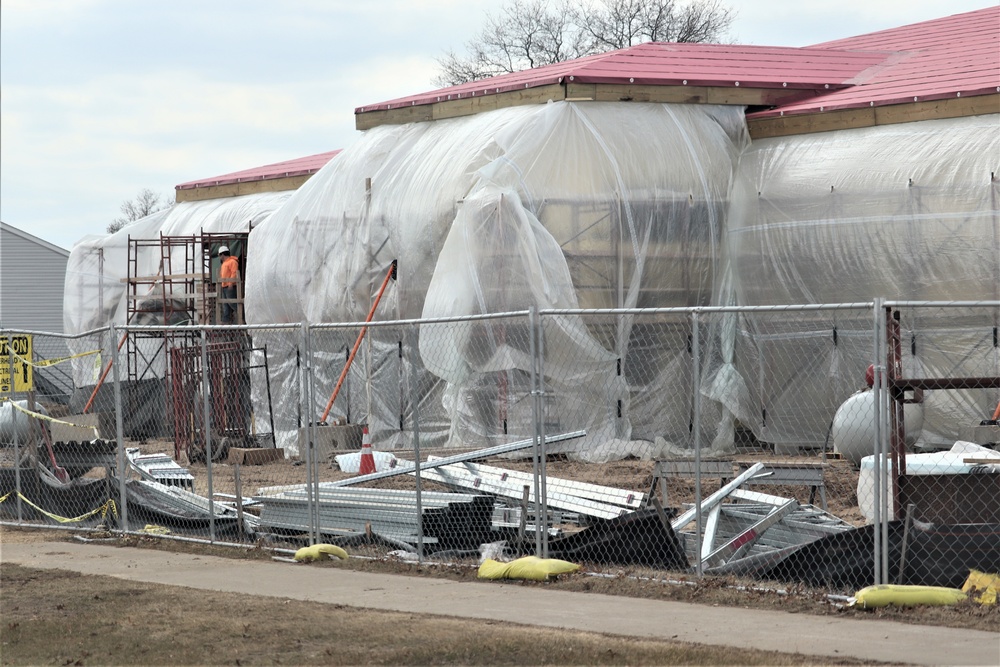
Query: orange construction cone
[[367, 459]]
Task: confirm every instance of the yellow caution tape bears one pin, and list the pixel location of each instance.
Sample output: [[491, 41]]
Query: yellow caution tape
[[38, 415], [103, 509], [43, 363]]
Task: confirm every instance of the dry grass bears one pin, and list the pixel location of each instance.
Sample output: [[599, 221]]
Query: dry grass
[[627, 582], [63, 618], [840, 480]]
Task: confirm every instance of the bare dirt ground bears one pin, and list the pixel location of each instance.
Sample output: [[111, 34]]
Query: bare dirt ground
[[64, 618]]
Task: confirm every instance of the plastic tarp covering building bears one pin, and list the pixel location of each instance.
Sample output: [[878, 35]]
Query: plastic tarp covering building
[[608, 205], [95, 290], [556, 206], [906, 212]]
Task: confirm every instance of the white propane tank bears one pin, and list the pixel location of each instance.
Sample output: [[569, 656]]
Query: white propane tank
[[853, 431], [16, 424]]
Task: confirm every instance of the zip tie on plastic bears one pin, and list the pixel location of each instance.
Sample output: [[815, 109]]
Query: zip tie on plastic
[[38, 415], [103, 509]]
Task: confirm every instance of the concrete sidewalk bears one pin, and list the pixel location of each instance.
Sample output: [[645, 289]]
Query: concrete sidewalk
[[722, 626]]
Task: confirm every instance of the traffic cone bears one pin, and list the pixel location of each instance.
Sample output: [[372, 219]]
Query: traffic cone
[[367, 458]]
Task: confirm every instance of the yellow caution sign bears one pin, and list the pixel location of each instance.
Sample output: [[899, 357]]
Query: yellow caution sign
[[23, 374]]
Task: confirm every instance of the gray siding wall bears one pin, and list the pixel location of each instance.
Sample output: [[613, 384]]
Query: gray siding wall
[[31, 284]]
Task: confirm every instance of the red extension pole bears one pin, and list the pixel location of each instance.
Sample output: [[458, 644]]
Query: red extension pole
[[391, 274]]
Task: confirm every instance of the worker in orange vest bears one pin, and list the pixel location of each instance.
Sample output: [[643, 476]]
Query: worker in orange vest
[[227, 276]]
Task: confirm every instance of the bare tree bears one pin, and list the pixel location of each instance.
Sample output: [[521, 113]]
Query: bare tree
[[531, 33], [145, 203], [524, 34]]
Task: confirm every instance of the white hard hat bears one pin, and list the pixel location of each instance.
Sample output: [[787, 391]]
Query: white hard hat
[[224, 249]]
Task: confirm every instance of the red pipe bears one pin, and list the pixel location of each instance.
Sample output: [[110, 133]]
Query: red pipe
[[107, 368], [371, 313]]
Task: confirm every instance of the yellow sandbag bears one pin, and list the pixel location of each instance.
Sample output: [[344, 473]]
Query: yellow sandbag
[[491, 569], [153, 529], [983, 586], [316, 551], [531, 568], [900, 595]]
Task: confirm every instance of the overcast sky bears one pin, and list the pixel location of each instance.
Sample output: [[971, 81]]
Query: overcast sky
[[101, 98]]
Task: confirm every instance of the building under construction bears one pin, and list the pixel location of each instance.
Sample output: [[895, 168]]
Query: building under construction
[[659, 175]]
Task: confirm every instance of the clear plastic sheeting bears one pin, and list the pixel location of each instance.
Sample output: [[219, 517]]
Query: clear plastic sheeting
[[556, 206], [95, 290], [570, 208], [906, 212]]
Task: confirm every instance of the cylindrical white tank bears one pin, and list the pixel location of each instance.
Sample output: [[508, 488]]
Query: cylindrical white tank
[[853, 431], [13, 423]]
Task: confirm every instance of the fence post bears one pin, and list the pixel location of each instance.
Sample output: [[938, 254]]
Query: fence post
[[119, 432], [13, 417], [696, 434], [877, 449], [887, 493], [543, 454], [536, 415], [306, 383], [206, 430], [313, 424], [412, 342]]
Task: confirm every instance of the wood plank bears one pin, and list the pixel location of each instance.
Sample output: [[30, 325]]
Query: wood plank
[[653, 94], [935, 109], [400, 116], [829, 121], [244, 188], [741, 96], [958, 107], [454, 108], [145, 280]]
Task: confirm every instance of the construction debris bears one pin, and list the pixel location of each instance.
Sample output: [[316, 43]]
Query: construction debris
[[592, 500], [254, 456], [458, 458], [159, 468], [449, 520], [637, 538]]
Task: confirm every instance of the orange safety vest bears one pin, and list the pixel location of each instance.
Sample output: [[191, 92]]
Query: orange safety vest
[[230, 267]]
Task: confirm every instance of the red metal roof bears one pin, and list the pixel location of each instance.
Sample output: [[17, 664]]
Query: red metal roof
[[949, 57], [931, 60], [297, 167], [669, 64]]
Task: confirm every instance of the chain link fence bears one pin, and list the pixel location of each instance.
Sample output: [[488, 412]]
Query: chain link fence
[[832, 445]]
